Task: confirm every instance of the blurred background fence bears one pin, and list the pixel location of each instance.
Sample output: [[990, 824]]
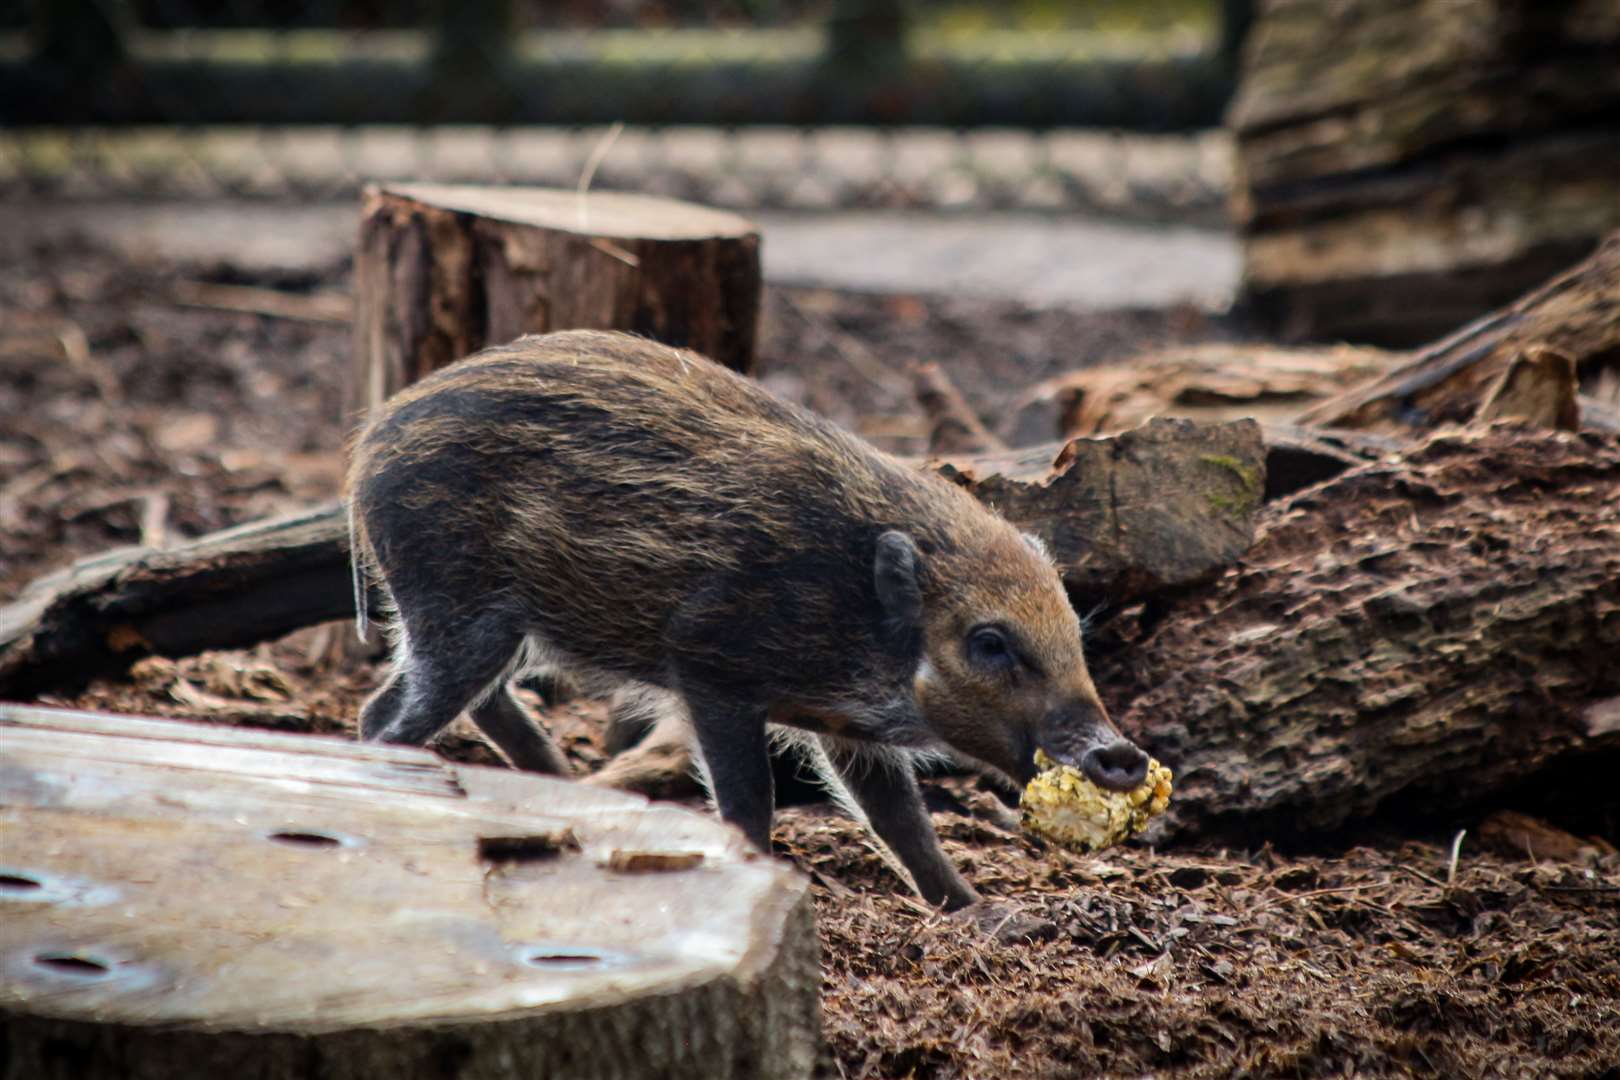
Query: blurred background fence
[[1052, 104]]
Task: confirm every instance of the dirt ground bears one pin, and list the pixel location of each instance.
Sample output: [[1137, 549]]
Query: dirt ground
[[135, 406]]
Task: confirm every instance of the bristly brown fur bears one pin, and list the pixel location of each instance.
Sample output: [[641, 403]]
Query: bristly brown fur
[[639, 513]]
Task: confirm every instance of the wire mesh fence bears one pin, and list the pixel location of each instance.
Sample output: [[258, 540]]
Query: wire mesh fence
[[1157, 177], [752, 103]]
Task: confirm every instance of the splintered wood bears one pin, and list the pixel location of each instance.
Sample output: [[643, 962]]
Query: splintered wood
[[1573, 316], [188, 901]]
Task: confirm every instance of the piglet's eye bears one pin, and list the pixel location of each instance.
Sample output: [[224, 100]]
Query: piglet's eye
[[988, 647]]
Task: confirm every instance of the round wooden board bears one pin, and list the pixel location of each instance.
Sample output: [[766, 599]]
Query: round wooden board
[[182, 900]]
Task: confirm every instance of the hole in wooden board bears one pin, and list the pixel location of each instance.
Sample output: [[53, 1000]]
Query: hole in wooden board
[[18, 883], [563, 960], [652, 862], [73, 965], [302, 838], [521, 849], [567, 957], [23, 885]]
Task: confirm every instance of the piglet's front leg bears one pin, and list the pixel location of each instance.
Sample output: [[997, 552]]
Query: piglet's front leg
[[885, 788]]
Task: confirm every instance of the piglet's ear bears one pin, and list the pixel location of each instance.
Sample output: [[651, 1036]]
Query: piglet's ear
[[895, 572]]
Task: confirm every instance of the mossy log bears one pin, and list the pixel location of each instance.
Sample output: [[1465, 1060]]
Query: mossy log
[[182, 901], [1167, 505]]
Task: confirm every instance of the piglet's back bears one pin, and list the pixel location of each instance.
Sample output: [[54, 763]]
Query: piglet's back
[[622, 474]]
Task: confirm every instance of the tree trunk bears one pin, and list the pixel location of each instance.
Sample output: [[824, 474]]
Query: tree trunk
[[443, 271], [1404, 166], [1430, 628], [372, 911], [1164, 506]]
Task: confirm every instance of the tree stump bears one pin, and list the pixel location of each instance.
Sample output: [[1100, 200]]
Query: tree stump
[[444, 270], [1403, 167], [184, 901]]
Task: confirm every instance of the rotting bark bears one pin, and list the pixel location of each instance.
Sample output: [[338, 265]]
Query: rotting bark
[[444, 270], [1431, 629], [1551, 358], [1538, 387], [1165, 506], [1576, 313], [1199, 382], [1298, 457], [1212, 383]]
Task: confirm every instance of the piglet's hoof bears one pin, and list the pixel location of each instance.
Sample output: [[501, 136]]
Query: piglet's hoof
[[1008, 923]]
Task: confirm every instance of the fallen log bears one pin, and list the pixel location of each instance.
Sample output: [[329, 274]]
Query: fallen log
[[1576, 314], [373, 910], [443, 270], [1430, 628], [1551, 358], [226, 590], [1165, 506], [1210, 383]]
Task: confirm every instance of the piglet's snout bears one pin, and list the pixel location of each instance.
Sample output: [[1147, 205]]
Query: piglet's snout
[[1080, 735], [1117, 766]]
